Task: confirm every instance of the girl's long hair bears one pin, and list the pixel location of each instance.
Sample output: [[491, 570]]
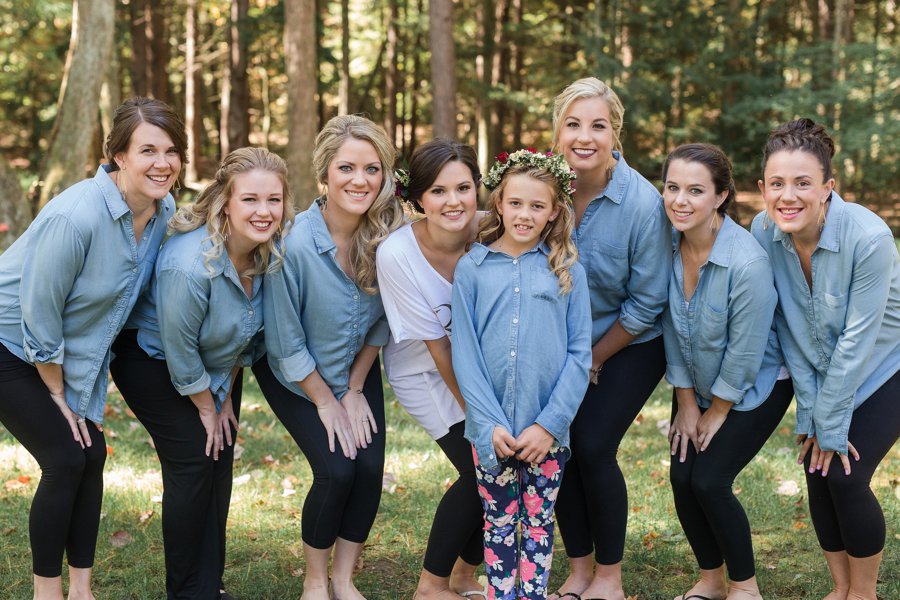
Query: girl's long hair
[[557, 233]]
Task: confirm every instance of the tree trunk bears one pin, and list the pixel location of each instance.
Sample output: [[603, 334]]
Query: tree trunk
[[192, 114], [15, 214], [443, 68], [392, 74], [499, 76], [159, 51], [300, 61], [239, 100], [73, 130], [484, 63], [515, 79], [344, 89], [416, 81], [140, 83]]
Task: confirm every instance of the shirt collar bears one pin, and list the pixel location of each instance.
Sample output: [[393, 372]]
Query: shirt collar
[[615, 189], [320, 234], [720, 254], [479, 251], [830, 238], [115, 203]]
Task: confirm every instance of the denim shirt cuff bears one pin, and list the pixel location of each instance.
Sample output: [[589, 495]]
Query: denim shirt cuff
[[835, 441], [297, 367], [679, 377], [487, 457], [722, 390], [631, 324], [805, 421], [379, 334], [41, 356], [554, 424], [195, 387]]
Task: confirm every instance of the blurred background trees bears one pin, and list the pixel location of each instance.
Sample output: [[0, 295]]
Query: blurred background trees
[[270, 72]]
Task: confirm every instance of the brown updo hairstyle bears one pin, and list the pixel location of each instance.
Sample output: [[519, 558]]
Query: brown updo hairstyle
[[805, 135], [716, 162], [430, 158], [134, 111]]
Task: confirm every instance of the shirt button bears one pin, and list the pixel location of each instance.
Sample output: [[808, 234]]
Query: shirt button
[[515, 261], [513, 353], [356, 296], [134, 269], [516, 290], [515, 321], [250, 312], [355, 325]]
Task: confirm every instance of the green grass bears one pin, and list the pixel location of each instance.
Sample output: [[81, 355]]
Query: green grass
[[264, 550]]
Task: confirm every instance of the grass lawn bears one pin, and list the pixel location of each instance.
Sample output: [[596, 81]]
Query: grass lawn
[[271, 478]]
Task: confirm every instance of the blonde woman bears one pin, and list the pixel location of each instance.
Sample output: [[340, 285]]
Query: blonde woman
[[178, 363], [324, 327], [624, 244]]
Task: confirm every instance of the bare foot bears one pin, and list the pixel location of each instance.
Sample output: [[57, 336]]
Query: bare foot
[[345, 591], [315, 591], [739, 594], [603, 589], [445, 594], [575, 583], [709, 590], [836, 594]]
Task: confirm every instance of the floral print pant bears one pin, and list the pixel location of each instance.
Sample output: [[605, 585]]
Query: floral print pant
[[517, 492]]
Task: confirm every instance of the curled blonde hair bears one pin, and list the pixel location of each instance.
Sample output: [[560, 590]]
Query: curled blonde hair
[[589, 87], [557, 233], [209, 208], [385, 215]]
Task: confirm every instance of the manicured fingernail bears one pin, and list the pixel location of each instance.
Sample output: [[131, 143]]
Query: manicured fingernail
[[846, 471]]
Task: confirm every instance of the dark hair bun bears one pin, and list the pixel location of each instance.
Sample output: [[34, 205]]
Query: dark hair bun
[[805, 135]]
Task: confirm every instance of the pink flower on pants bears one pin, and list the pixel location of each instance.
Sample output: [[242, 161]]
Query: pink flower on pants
[[490, 558], [550, 468], [512, 507], [538, 534], [533, 503], [527, 569]]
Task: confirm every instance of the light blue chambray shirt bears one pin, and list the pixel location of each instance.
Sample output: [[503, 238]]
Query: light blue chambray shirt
[[841, 341], [199, 321], [722, 342], [316, 317], [68, 284], [521, 351], [624, 245]]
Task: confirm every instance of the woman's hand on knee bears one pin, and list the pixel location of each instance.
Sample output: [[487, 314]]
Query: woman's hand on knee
[[845, 459], [77, 424], [683, 430], [362, 421], [337, 425]]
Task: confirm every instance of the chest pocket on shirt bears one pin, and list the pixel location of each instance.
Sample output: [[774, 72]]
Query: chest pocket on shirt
[[712, 325], [833, 316], [609, 264], [544, 285]]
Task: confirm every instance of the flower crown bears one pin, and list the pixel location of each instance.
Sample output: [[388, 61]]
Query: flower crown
[[529, 157], [401, 183]]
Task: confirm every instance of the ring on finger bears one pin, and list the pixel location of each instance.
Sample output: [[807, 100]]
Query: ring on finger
[[80, 420]]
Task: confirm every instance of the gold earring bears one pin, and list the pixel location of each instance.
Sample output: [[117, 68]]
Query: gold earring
[[226, 228], [177, 187], [822, 218], [122, 181], [766, 221], [714, 224]]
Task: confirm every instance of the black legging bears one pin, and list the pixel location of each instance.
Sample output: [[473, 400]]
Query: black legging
[[458, 525], [196, 488], [65, 511], [592, 507], [344, 496], [713, 520], [844, 511]]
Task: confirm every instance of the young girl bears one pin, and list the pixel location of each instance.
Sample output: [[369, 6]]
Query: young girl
[[521, 354]]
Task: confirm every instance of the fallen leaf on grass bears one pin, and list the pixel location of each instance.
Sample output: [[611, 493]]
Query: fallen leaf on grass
[[648, 538], [120, 539], [288, 492], [788, 487], [109, 450], [145, 516], [14, 484], [23, 478], [238, 451], [297, 572], [242, 479], [133, 425], [269, 460], [156, 499], [799, 525], [130, 413], [110, 433], [663, 426]]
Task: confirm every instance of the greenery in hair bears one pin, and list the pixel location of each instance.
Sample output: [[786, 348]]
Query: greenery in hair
[[531, 158]]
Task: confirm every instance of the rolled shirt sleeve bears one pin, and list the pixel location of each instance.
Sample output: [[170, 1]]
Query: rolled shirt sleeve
[[751, 305], [49, 272], [648, 279], [869, 289], [179, 329]]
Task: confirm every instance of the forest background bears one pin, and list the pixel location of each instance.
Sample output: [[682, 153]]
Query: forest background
[[271, 72]]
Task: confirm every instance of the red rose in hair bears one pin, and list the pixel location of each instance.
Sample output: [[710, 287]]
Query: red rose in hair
[[532, 150], [503, 157]]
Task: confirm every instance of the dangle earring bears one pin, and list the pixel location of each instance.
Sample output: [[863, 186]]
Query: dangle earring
[[714, 224], [226, 229], [177, 187], [123, 189], [822, 219], [766, 221]]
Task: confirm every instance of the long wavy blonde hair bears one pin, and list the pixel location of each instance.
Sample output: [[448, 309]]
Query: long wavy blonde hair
[[557, 233], [209, 208], [385, 215]]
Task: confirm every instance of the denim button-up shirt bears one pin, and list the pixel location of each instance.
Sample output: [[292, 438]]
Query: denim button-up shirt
[[68, 284], [841, 340], [316, 317], [721, 342], [521, 351], [624, 244], [198, 318]]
